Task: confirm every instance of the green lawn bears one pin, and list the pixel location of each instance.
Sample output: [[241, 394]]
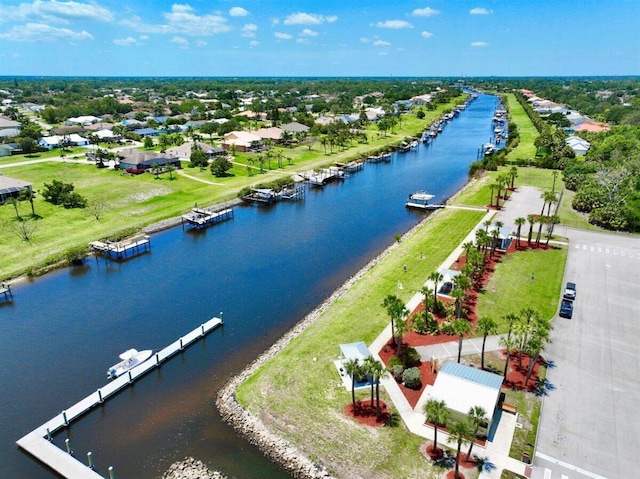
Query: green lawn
[[526, 129], [297, 392], [510, 288], [138, 201]]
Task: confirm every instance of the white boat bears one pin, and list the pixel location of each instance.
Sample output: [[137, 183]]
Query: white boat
[[420, 200], [130, 359]]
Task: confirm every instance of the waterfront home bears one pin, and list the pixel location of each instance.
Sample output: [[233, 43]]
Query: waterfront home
[[8, 149], [184, 151]]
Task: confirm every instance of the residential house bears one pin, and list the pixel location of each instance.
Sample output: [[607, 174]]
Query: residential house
[[8, 149], [11, 188], [7, 123], [147, 132], [55, 141], [272, 134], [184, 151], [295, 127], [241, 141], [82, 120], [592, 126], [9, 132], [579, 145], [145, 160]]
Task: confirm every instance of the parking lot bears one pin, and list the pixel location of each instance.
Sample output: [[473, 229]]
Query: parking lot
[[589, 425]]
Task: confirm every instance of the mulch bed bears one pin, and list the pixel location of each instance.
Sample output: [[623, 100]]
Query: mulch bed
[[365, 412], [516, 375]]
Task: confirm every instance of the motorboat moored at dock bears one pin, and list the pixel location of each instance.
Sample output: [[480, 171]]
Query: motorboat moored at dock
[[130, 359], [420, 200]]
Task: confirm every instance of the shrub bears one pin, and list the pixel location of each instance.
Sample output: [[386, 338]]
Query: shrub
[[394, 361], [75, 255], [411, 378], [410, 357], [397, 371], [425, 323], [134, 171]]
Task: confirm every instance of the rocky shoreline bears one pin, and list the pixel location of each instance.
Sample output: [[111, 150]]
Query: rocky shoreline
[[191, 468], [251, 427]]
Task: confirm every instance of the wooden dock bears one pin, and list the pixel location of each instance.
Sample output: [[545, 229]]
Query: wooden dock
[[324, 176], [268, 196], [203, 217], [120, 249], [38, 442], [5, 290]]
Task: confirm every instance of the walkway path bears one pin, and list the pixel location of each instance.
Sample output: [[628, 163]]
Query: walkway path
[[495, 453]]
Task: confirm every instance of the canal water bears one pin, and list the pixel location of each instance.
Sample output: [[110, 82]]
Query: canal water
[[265, 269]]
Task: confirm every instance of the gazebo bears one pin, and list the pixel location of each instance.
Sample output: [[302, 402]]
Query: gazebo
[[358, 351]]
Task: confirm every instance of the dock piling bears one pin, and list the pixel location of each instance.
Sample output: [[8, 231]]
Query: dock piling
[[181, 345], [157, 359], [202, 329], [99, 396], [221, 317], [64, 418], [130, 378], [49, 435], [112, 475], [67, 442], [90, 460]]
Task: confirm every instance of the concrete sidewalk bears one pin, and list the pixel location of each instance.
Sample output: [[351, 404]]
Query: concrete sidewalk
[[496, 452]]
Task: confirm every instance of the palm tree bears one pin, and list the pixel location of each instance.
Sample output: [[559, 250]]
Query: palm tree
[[509, 344], [495, 234], [376, 371], [511, 319], [486, 326], [486, 225], [436, 277], [460, 327], [555, 174], [552, 221], [513, 173], [353, 369], [437, 414], [492, 187], [427, 292], [551, 199], [460, 433], [531, 219], [476, 416], [538, 340], [467, 247], [519, 222], [541, 221], [14, 201], [396, 311], [367, 368], [29, 195]]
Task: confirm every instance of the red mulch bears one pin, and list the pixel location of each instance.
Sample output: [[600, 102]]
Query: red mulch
[[428, 378], [434, 454], [452, 475], [365, 413], [517, 374]]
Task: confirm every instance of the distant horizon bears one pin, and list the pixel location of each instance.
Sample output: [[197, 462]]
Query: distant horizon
[[333, 38]]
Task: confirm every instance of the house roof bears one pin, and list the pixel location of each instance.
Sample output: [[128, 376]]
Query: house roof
[[11, 185], [241, 138], [272, 133], [6, 122], [295, 127], [9, 132], [357, 350], [463, 387], [593, 126]]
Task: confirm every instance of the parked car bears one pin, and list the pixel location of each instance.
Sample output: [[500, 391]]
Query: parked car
[[570, 291], [566, 309]]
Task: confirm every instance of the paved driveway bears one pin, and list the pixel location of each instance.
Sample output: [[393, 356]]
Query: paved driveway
[[590, 425]]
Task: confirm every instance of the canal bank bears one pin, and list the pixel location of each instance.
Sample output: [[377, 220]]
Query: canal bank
[[264, 270]]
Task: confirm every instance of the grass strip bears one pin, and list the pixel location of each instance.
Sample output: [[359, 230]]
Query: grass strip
[[297, 393]]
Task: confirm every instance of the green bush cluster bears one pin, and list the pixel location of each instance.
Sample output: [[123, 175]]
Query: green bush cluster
[[411, 378]]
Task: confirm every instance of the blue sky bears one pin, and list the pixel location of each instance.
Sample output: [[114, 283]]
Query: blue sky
[[319, 38]]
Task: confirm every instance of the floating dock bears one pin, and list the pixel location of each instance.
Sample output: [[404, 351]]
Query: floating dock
[[121, 249], [268, 196], [203, 217], [324, 176], [38, 442], [5, 290]]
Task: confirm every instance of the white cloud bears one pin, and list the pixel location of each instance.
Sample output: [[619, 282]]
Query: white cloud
[[282, 36], [249, 30], [307, 32], [480, 44], [238, 12], [181, 42], [55, 12], [126, 42], [424, 12], [308, 19], [394, 24], [183, 20], [254, 43], [39, 32], [480, 11], [365, 40], [144, 37], [201, 43], [381, 43], [426, 34], [303, 41], [383, 53], [275, 21]]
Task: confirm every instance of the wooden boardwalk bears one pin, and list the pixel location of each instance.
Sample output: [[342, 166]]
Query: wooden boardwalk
[[37, 442], [121, 249], [203, 217]]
